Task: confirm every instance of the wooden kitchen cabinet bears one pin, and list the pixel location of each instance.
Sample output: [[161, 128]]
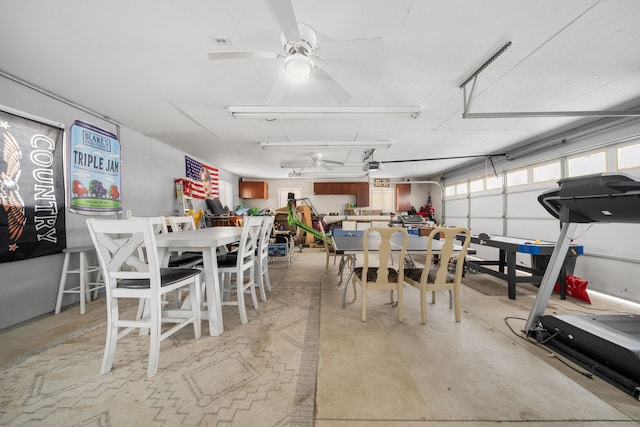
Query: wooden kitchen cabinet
[[349, 188], [327, 188], [253, 190], [403, 197], [362, 194], [358, 189]]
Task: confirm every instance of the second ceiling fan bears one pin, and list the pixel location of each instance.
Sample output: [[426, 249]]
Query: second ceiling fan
[[302, 55], [315, 162]]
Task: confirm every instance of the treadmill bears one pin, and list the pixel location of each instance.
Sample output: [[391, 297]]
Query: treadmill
[[607, 345]]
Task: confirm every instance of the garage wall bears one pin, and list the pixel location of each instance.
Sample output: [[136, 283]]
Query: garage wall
[[611, 262], [28, 288]]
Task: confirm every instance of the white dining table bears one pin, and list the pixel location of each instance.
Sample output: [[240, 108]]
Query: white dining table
[[207, 241]]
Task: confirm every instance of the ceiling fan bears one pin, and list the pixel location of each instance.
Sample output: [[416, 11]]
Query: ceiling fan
[[315, 162], [301, 54]]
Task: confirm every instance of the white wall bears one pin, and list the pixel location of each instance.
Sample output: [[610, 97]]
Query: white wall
[[29, 288]]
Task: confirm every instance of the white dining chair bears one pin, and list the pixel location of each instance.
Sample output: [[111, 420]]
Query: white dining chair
[[127, 274], [262, 256], [182, 223], [241, 265]]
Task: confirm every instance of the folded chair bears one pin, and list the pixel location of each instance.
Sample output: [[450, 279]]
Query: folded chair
[[446, 274], [128, 274], [241, 264], [382, 276]]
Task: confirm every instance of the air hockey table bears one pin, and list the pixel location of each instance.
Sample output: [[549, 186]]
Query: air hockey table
[[508, 267]]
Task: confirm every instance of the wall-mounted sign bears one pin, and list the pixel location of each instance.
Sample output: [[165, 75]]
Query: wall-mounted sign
[[95, 171], [32, 203], [381, 182]]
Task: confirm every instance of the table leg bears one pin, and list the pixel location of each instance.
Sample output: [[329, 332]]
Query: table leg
[[563, 281], [212, 286], [511, 274], [501, 261], [345, 289]]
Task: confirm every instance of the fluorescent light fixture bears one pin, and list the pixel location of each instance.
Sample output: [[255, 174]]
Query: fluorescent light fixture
[[325, 144], [322, 112], [327, 175]]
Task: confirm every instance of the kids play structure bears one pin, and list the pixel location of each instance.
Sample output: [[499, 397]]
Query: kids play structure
[[302, 217]]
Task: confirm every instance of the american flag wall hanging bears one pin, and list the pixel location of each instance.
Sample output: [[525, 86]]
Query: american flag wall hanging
[[203, 178]]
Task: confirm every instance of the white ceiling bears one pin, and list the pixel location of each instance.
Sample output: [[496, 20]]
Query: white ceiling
[[144, 64]]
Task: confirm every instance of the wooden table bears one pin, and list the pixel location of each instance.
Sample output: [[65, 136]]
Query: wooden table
[[205, 240]]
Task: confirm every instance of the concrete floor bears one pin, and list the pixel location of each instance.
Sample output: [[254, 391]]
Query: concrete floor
[[382, 372]]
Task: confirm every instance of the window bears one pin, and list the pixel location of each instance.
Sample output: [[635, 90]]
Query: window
[[225, 190], [629, 157], [494, 182], [449, 190], [383, 199], [585, 165], [476, 185], [283, 195], [519, 177], [548, 172], [461, 188]]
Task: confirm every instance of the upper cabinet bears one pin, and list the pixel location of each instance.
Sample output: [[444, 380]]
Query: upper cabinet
[[350, 187], [362, 194], [253, 190], [328, 188], [403, 197], [359, 189]]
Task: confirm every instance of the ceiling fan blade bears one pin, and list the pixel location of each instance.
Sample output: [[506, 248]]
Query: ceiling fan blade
[[330, 84], [242, 54], [294, 165], [287, 19], [279, 89], [326, 166], [369, 48], [333, 162]]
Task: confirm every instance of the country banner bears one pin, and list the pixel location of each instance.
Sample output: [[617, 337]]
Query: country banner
[[32, 215], [203, 179]]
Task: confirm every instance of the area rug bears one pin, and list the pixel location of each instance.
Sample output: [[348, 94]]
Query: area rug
[[487, 284], [259, 374]]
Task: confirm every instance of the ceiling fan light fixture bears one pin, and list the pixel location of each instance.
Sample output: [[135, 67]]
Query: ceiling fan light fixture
[[298, 66]]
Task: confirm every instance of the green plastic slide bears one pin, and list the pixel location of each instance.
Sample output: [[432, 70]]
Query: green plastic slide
[[293, 219]]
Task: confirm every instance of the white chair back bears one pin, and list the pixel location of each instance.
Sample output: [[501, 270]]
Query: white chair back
[[128, 257], [182, 223], [262, 257], [242, 265]]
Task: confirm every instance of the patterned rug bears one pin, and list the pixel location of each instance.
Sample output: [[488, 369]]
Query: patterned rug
[[259, 374]]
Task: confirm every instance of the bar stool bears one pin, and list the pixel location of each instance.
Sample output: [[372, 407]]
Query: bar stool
[[85, 287]]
